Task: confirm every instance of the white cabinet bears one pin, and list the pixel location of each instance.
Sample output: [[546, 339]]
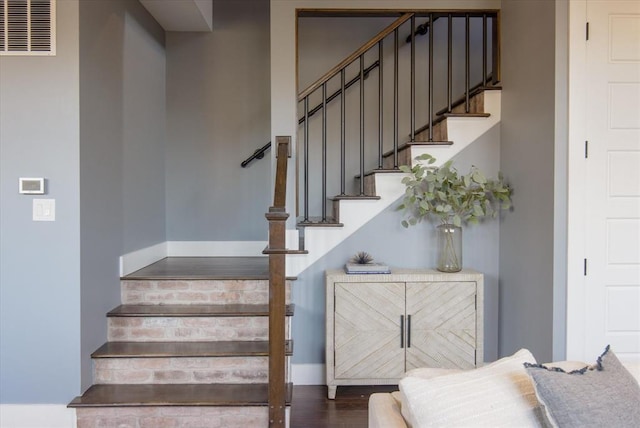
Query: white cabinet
[[380, 326]]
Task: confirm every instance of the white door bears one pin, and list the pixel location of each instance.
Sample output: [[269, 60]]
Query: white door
[[612, 232]]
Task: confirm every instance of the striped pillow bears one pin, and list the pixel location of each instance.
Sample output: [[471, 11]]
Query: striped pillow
[[499, 394]]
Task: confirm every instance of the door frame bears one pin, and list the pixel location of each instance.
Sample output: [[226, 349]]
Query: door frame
[[576, 185]]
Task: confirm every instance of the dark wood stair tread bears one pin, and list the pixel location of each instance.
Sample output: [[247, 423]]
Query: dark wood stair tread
[[186, 349], [204, 268], [409, 144], [466, 114], [318, 222], [380, 171], [228, 310], [355, 197], [176, 395]]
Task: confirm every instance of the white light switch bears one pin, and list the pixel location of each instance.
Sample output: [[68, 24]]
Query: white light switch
[[44, 210]]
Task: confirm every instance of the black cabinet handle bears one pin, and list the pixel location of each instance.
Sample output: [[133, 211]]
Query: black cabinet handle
[[401, 331], [408, 331]]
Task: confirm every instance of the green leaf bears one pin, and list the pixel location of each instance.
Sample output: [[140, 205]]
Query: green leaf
[[405, 224]]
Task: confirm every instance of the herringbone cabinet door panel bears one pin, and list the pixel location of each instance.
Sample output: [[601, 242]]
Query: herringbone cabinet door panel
[[367, 330], [443, 325]]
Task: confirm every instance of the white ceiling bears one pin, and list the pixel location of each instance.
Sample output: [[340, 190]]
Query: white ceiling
[[182, 15]]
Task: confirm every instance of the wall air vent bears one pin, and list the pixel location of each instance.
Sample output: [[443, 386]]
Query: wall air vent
[[27, 27]]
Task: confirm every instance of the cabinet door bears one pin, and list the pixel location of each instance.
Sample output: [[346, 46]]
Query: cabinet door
[[367, 330], [442, 325]]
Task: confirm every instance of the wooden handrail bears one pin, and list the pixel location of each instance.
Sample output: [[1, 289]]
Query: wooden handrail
[[348, 60], [277, 218]]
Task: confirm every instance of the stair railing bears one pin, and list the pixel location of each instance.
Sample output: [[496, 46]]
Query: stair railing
[[277, 217], [259, 153], [390, 34]]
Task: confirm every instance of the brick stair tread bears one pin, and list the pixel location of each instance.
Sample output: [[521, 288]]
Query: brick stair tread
[[225, 310], [186, 349], [204, 268], [255, 394]]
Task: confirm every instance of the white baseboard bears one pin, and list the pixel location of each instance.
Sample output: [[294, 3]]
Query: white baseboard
[[215, 248], [308, 374], [135, 260], [37, 416]]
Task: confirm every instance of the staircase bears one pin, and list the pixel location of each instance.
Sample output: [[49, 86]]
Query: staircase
[[470, 110], [188, 347], [206, 342], [383, 187]]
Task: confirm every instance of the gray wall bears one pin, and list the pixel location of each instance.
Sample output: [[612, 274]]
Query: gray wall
[[40, 261], [527, 157], [122, 144], [91, 121], [387, 241], [218, 106]]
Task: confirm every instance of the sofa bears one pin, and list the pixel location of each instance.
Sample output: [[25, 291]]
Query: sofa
[[515, 391]]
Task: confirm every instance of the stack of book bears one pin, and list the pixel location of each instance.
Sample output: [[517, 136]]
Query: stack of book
[[360, 268]]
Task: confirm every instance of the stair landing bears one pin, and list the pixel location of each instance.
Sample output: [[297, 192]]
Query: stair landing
[[204, 268]]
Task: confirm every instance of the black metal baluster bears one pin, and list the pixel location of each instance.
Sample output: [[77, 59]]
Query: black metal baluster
[[395, 100], [466, 63], [306, 159], [361, 124], [324, 152], [495, 51], [431, 78], [413, 75], [450, 63], [380, 105], [484, 50], [343, 140]]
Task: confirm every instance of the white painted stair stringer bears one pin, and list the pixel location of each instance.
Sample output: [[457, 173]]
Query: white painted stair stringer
[[354, 214]]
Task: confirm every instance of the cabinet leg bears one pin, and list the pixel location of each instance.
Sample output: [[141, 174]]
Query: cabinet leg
[[332, 392]]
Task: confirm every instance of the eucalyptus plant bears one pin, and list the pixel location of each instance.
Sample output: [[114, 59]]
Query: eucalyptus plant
[[453, 198]]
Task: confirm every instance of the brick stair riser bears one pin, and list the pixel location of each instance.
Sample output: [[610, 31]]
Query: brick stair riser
[[187, 329], [173, 417], [181, 370], [183, 292]]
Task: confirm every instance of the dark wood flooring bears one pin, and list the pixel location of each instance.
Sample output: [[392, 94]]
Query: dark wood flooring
[[310, 407]]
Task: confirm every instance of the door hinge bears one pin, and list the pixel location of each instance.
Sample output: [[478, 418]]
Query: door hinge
[[587, 30], [585, 267], [586, 149]]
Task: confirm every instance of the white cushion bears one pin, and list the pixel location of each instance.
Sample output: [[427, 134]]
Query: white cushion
[[422, 373], [499, 394]]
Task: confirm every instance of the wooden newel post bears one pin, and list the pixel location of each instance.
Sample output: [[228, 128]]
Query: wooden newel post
[[277, 218]]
